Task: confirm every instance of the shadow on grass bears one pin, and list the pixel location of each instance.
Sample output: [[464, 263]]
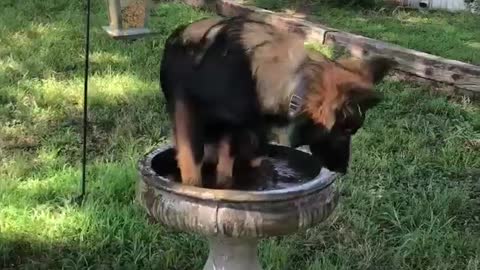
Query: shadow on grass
[[103, 237], [42, 229], [50, 41], [41, 84]]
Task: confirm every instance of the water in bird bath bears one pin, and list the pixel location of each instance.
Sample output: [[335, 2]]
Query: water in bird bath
[[283, 168]]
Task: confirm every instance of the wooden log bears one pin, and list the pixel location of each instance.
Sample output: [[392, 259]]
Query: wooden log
[[458, 74], [312, 31]]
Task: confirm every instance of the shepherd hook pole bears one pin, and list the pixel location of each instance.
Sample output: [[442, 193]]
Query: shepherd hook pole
[[85, 106]]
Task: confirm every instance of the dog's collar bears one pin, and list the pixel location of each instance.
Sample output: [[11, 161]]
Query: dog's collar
[[297, 99]]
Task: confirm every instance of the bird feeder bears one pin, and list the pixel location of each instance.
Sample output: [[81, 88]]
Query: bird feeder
[[128, 18]]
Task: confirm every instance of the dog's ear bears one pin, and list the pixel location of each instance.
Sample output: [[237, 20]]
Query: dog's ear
[[378, 67], [358, 94], [373, 69]]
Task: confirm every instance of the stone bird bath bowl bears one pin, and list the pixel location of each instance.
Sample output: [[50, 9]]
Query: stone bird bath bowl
[[302, 196]]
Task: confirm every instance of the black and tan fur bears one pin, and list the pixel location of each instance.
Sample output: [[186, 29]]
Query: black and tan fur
[[228, 82]]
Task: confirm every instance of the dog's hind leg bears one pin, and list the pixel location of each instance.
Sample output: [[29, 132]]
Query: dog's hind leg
[[188, 144], [210, 153], [225, 164]]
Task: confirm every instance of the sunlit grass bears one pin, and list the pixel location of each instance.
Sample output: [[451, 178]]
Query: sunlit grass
[[410, 200], [440, 33]]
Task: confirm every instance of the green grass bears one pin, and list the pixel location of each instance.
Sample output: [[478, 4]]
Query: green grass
[[451, 35], [411, 200]]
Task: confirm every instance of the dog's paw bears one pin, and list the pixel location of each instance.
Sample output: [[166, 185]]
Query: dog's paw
[[224, 181], [266, 171], [264, 175], [192, 182]]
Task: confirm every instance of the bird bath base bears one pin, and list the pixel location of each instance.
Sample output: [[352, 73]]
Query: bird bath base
[[232, 254], [302, 196]]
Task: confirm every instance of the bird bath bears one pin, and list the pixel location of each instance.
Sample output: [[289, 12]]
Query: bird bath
[[301, 195]]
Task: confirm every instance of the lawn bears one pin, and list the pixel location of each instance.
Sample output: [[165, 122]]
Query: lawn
[[410, 201], [451, 35]]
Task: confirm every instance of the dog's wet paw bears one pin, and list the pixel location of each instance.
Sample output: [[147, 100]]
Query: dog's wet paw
[[192, 182], [265, 176], [224, 182]]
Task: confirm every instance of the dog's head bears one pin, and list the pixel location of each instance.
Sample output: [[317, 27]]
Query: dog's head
[[341, 94]]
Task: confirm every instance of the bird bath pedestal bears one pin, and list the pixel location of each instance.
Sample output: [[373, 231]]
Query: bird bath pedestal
[[235, 220]]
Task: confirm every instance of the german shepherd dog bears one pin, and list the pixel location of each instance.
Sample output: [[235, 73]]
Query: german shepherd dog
[[228, 82]]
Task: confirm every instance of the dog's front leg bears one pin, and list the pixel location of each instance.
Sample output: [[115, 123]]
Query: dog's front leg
[[189, 158]]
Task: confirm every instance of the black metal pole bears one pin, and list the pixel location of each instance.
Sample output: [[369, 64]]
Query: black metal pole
[[85, 106]]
